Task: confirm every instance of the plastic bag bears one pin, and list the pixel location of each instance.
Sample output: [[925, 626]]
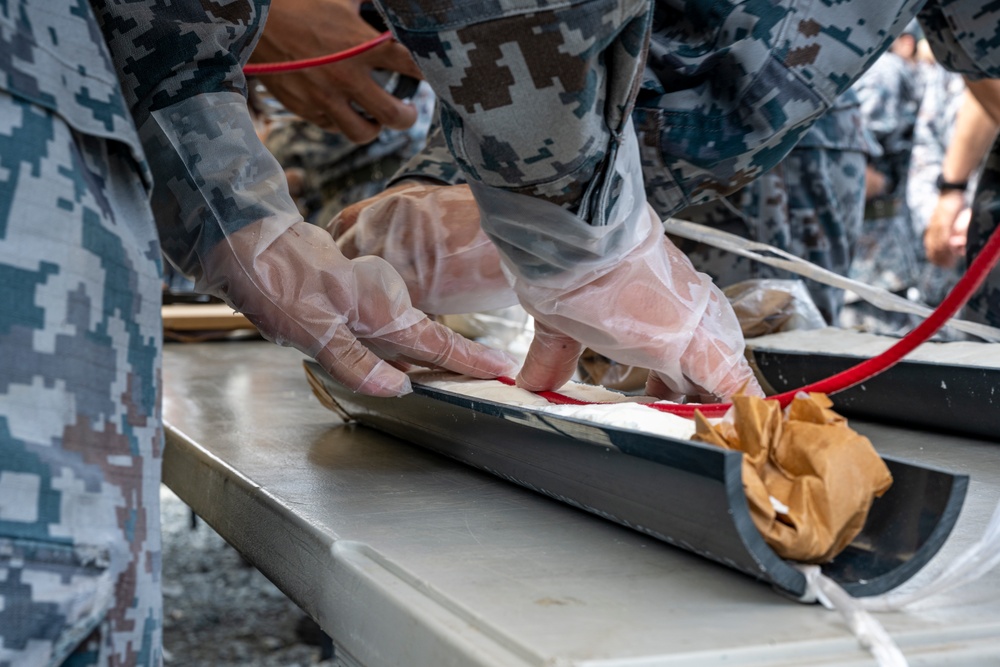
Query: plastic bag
[[769, 306]]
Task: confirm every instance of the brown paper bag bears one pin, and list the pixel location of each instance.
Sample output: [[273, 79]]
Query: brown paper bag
[[822, 474]]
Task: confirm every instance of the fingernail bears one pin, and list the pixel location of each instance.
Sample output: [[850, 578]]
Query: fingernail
[[384, 380]]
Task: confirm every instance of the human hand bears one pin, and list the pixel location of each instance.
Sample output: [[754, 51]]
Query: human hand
[[430, 234], [875, 183], [298, 29], [353, 316], [938, 246], [652, 310], [960, 232]]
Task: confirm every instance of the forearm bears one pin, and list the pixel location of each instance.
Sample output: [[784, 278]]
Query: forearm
[[973, 135], [987, 94], [212, 176]]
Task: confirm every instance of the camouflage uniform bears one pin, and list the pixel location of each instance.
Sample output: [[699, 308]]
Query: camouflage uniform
[[886, 255], [89, 92], [984, 306], [735, 86], [339, 173], [810, 205]]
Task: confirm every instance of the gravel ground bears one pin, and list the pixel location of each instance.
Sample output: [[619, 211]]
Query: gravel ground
[[218, 610]]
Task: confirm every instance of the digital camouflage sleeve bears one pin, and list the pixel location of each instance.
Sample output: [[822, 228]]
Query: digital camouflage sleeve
[[80, 328]]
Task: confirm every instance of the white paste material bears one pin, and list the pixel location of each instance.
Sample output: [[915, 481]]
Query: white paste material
[[612, 409]]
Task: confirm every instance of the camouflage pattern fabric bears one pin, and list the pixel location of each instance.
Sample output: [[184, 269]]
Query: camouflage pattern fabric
[[735, 86], [984, 306], [434, 162], [886, 255], [338, 172], [729, 87], [80, 341], [80, 328], [962, 35], [810, 205]]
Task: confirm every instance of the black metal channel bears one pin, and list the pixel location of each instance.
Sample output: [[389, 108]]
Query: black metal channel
[[685, 493], [916, 394]]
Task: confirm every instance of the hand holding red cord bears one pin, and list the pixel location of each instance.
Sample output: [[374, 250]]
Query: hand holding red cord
[[304, 29]]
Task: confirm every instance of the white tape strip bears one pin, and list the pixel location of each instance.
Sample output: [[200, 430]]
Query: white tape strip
[[782, 260]]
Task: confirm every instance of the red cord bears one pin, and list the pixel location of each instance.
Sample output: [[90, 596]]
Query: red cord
[[861, 372], [291, 65]]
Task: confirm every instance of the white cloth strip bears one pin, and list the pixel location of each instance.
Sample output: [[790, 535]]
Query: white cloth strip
[[865, 627], [783, 260]]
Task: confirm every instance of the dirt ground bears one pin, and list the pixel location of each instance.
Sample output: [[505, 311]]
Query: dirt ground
[[218, 610]]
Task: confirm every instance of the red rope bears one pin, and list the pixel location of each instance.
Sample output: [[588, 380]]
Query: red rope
[[861, 372], [291, 65]]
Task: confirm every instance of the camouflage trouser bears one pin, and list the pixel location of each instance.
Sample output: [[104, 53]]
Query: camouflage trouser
[[985, 303], [810, 205], [80, 430]]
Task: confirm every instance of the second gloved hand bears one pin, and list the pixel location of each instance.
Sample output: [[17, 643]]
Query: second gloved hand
[[430, 234], [650, 309], [353, 316]]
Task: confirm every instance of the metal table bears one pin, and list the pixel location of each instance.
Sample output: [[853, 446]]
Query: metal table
[[407, 558]]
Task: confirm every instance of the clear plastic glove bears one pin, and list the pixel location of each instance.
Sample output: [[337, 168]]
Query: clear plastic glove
[[620, 288], [430, 234], [350, 315], [651, 310]]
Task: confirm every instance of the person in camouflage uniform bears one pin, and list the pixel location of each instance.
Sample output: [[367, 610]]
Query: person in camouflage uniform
[[107, 107], [810, 205], [741, 83], [887, 252]]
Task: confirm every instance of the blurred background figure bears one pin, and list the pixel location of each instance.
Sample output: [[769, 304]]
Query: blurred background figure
[[886, 254], [810, 205], [929, 194]]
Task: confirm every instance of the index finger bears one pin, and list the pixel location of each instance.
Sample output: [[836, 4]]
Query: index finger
[[431, 344]]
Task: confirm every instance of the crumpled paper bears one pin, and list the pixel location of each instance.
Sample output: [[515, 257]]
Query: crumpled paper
[[809, 478]]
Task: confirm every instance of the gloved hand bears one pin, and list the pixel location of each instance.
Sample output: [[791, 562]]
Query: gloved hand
[[651, 309], [430, 234], [619, 287], [350, 315]]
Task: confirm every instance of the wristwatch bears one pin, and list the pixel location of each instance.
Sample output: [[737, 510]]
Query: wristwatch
[[943, 185]]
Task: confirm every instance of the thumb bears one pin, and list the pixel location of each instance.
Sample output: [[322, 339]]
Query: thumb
[[551, 360]]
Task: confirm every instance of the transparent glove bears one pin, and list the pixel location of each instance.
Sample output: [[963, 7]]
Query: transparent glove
[[430, 234], [352, 316], [651, 310], [620, 288]]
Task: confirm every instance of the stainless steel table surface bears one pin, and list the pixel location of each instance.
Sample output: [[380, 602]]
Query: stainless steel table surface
[[408, 559]]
